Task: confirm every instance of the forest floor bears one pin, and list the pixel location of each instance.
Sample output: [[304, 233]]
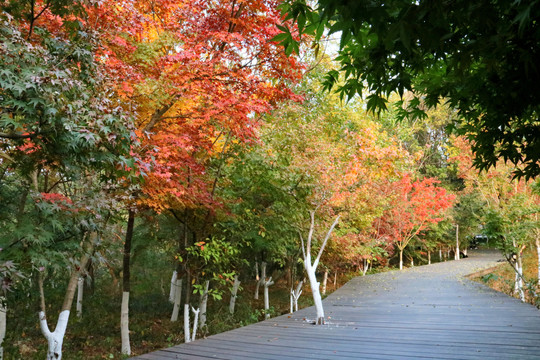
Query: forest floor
[[501, 278]]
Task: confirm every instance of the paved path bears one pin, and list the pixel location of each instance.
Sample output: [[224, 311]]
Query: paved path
[[428, 312]]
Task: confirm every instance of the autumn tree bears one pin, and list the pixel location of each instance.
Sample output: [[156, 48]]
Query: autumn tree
[[468, 55], [415, 205]]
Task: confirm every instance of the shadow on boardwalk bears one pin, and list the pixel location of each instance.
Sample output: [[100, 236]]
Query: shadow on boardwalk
[[427, 312]]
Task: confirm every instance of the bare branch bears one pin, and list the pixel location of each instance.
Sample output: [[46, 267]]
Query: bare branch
[[324, 242]]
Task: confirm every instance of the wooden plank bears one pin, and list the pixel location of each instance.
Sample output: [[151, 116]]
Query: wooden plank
[[428, 312]]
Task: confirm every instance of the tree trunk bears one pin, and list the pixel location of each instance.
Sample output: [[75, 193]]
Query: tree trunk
[[325, 281], [538, 257], [400, 259], [187, 335], [457, 243], [440, 254], [365, 267], [177, 299], [56, 338], [3, 312], [203, 304], [267, 283], [314, 285], [335, 280], [295, 295], [260, 279], [124, 312], [234, 291], [172, 292], [519, 282], [80, 290], [195, 322], [429, 257]]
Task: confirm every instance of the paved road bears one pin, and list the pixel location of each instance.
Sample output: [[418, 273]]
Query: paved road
[[427, 312]]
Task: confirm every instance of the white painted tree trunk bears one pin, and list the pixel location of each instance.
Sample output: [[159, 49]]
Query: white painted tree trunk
[[234, 291], [124, 324], [295, 295], [429, 257], [465, 251], [366, 267], [3, 323], [325, 281], [267, 284], [172, 292], [456, 257], [440, 254], [412, 262], [56, 338], [519, 282], [314, 285], [80, 291], [187, 335], [312, 268], [195, 321], [203, 304], [400, 259], [177, 298]]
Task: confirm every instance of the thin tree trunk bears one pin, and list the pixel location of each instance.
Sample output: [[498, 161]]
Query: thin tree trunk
[[335, 280], [400, 259], [234, 291], [295, 295], [260, 279], [124, 312], [429, 257], [457, 243], [172, 291], [440, 254], [267, 283], [519, 282], [538, 257], [55, 339], [203, 304], [80, 290], [177, 299], [195, 321], [325, 281], [3, 323], [187, 335]]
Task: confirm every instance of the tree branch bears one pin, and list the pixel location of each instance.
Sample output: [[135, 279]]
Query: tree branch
[[324, 242]]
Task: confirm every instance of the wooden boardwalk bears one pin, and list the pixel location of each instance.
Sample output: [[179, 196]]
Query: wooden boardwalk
[[427, 312]]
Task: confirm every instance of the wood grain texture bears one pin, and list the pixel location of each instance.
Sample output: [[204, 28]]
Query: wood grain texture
[[426, 312]]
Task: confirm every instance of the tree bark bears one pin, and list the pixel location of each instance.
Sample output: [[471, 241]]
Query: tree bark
[[325, 281], [400, 259], [3, 323], [177, 299], [195, 322], [267, 283], [457, 243], [55, 339], [260, 279], [234, 291], [80, 290], [203, 304], [429, 257], [538, 257], [440, 254], [172, 295], [124, 312], [187, 335]]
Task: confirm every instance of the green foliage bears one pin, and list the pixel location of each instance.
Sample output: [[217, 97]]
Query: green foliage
[[481, 57], [55, 110]]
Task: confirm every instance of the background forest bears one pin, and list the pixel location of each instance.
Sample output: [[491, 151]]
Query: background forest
[[162, 155]]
